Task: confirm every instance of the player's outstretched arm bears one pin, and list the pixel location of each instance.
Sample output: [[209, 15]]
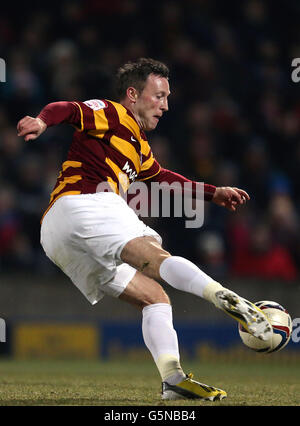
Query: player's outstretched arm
[[51, 115], [230, 198], [30, 128]]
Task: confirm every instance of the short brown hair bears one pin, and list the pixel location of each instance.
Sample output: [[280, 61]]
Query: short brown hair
[[136, 73]]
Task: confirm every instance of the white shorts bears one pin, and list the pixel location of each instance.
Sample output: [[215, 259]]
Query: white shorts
[[84, 236]]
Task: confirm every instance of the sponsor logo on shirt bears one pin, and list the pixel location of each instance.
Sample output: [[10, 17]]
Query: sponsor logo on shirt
[[131, 173], [96, 104]]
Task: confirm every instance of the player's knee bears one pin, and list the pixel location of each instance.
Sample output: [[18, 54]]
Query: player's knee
[[151, 264], [150, 267], [145, 254]]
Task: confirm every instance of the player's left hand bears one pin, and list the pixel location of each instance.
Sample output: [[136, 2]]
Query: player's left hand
[[230, 198]]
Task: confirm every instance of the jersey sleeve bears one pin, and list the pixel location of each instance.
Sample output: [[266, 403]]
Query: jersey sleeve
[[194, 191], [60, 112], [94, 116]]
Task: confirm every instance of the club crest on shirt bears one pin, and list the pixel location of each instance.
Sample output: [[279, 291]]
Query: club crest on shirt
[[96, 104]]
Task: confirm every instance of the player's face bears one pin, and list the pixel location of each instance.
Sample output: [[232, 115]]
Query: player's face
[[152, 102]]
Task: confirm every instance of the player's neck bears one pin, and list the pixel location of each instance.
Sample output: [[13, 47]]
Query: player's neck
[[130, 107]]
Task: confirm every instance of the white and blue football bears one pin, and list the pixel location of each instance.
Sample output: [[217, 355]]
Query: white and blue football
[[281, 323]]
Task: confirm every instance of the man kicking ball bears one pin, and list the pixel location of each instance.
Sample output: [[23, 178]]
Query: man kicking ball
[[96, 239]]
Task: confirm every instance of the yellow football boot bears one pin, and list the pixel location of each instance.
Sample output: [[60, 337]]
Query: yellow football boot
[[191, 389]]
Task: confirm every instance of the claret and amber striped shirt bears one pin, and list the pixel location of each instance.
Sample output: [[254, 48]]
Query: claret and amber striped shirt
[[107, 146]]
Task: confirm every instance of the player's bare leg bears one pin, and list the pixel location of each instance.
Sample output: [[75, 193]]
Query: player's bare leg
[[161, 339], [143, 291], [146, 255]]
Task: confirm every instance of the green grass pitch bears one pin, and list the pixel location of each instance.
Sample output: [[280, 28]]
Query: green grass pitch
[[136, 383]]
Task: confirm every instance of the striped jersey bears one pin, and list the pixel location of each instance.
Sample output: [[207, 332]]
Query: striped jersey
[[108, 146]]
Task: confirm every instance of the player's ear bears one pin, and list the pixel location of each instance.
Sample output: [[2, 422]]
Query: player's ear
[[132, 94]]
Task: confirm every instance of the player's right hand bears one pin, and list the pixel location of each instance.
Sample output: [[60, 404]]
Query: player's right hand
[[30, 128]]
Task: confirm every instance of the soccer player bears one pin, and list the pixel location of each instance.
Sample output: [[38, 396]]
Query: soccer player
[[96, 239]]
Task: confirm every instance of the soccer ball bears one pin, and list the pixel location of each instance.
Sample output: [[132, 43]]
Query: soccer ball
[[282, 328]]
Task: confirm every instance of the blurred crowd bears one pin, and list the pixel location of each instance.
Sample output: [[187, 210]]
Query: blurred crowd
[[234, 119]]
